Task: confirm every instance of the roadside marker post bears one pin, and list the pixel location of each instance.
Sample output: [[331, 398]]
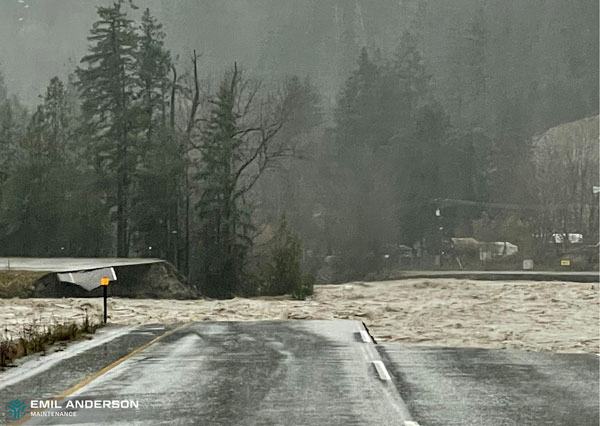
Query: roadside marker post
[[104, 281]]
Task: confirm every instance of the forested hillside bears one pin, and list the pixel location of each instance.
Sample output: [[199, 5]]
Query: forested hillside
[[234, 137]]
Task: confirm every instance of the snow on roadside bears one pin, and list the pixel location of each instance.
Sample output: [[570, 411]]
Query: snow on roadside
[[553, 316]]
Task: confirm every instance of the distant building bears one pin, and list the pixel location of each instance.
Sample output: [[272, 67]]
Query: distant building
[[572, 238], [484, 250], [488, 251]]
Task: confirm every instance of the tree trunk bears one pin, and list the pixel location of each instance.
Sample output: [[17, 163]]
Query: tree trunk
[[123, 198], [185, 267], [121, 219]]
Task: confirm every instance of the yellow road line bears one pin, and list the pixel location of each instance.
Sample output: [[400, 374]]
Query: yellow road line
[[99, 373]]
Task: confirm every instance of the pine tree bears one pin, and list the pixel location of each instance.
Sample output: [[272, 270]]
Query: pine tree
[[409, 79], [420, 178], [221, 215], [107, 83], [13, 123], [53, 118], [153, 64], [46, 192], [154, 212], [358, 105], [3, 92], [5, 145]]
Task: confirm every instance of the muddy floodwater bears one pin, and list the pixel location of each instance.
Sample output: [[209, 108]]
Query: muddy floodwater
[[550, 316]]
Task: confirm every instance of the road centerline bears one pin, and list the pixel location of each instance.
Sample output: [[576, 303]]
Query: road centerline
[[103, 371]]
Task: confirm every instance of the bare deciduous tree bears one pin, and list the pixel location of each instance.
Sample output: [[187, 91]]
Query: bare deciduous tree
[[239, 141], [566, 163]]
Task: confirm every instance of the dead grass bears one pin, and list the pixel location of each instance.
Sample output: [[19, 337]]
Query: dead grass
[[35, 337], [18, 283]]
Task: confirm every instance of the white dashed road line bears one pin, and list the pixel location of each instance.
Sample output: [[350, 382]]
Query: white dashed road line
[[365, 337], [381, 370]]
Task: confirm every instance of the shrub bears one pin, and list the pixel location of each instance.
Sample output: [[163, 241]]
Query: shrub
[[37, 337], [284, 271], [306, 288]]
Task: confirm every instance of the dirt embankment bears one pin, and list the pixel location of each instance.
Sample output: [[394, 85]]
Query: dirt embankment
[[553, 316], [152, 280], [18, 283]]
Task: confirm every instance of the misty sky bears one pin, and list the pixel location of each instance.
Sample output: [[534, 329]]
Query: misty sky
[[43, 38], [321, 38]]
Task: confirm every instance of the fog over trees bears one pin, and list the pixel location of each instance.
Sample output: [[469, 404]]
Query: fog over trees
[[252, 143]]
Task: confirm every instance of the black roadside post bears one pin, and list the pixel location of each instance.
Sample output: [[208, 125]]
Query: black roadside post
[[104, 282], [438, 215]]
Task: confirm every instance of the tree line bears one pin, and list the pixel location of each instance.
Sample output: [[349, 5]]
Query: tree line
[[246, 184], [135, 155]]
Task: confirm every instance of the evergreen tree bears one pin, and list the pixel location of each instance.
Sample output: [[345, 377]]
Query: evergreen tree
[[48, 191], [357, 106], [154, 212], [40, 208], [107, 82], [3, 92], [420, 180], [51, 120], [13, 123], [153, 63], [375, 122], [5, 139], [409, 81], [224, 218], [13, 117], [359, 135]]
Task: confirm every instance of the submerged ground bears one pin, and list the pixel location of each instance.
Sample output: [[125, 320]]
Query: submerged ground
[[551, 316]]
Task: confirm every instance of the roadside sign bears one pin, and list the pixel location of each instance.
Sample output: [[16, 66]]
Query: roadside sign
[[565, 262], [104, 281]]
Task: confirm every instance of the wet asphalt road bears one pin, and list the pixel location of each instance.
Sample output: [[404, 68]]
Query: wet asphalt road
[[227, 373], [68, 264], [474, 387], [575, 276], [304, 373]]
